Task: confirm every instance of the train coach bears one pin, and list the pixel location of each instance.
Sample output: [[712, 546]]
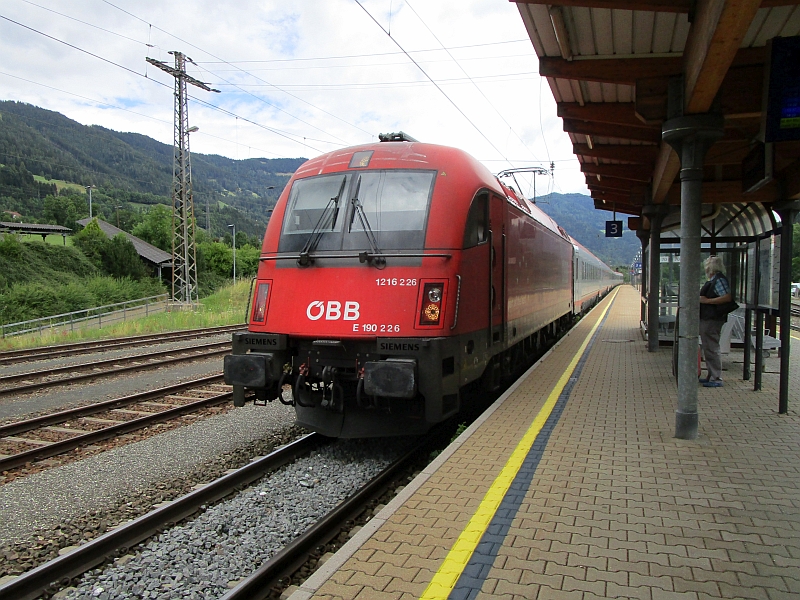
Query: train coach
[[395, 275]]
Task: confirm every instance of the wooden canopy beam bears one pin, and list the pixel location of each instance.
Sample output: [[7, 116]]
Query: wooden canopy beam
[[619, 207], [641, 173], [618, 113], [639, 154], [714, 39], [641, 134], [673, 6], [670, 6]]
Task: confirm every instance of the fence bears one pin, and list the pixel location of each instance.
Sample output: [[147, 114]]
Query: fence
[[97, 316]]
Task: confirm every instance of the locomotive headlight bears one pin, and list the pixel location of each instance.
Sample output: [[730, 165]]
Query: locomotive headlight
[[430, 304], [261, 302], [432, 312]]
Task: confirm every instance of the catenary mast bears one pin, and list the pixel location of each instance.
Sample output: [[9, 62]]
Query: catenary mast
[[184, 258]]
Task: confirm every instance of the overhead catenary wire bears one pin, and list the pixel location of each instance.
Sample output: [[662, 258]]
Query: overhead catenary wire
[[472, 80], [432, 81]]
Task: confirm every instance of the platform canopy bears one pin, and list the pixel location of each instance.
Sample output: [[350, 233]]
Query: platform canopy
[[609, 64]]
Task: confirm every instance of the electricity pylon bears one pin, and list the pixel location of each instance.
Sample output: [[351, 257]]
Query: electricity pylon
[[184, 256]]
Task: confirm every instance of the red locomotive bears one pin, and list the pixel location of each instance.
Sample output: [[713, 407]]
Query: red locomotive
[[395, 274]]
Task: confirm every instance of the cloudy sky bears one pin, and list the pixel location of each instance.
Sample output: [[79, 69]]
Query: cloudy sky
[[295, 78]]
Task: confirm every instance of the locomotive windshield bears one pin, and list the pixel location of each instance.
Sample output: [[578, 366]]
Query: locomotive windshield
[[336, 212]]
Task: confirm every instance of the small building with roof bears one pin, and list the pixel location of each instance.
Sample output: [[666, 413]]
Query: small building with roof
[[156, 258], [35, 229]]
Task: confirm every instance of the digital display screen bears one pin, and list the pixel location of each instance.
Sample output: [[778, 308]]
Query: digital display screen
[[783, 99]]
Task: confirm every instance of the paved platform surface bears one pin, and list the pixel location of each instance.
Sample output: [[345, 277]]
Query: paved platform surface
[[603, 501]]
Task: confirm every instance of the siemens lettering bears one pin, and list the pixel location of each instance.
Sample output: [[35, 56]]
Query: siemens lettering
[[333, 310]]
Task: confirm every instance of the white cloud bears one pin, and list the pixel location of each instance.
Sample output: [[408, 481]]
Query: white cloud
[[326, 102]]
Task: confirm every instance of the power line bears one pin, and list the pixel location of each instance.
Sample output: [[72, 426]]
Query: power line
[[298, 59], [431, 80], [242, 70], [77, 48], [100, 102], [145, 76], [470, 79], [88, 24], [388, 84], [374, 64]]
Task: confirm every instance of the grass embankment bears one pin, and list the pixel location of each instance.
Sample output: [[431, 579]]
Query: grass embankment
[[40, 280], [225, 307]]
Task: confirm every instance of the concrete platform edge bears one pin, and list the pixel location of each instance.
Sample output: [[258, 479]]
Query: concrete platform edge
[[310, 586]]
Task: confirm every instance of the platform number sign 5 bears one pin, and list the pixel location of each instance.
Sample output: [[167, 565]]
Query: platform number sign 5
[[613, 228]]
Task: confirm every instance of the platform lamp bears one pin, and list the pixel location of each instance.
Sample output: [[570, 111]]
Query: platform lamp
[[233, 243], [89, 189]]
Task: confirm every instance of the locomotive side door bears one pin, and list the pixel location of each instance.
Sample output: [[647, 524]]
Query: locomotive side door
[[497, 286]]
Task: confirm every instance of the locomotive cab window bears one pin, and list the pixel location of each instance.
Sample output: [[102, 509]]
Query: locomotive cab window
[[394, 205], [339, 209], [315, 203], [476, 231]]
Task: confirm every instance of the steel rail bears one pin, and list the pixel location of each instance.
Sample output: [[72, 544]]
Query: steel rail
[[47, 578], [286, 561], [108, 361], [83, 411], [43, 352], [114, 371], [56, 448]]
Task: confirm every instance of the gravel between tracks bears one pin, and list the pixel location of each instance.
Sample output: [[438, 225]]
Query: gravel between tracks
[[42, 501], [203, 557], [14, 408]]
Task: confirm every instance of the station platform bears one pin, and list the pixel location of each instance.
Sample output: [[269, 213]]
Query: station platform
[[572, 486]]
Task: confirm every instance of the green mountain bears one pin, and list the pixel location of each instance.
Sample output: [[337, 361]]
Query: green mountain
[[578, 216], [127, 168]]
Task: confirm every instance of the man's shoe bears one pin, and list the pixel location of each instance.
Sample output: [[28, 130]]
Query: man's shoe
[[703, 380], [714, 384]]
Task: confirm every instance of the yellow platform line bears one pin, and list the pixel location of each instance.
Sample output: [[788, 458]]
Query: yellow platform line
[[456, 560]]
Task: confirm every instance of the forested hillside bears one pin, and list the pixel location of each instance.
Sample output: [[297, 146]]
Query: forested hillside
[[42, 151], [577, 215]]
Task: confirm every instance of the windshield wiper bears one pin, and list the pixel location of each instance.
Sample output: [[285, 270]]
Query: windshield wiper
[[332, 211], [358, 209]]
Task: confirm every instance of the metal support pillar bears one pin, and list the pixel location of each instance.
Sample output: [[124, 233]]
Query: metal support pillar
[[748, 327], [656, 216], [785, 304], [644, 238], [690, 136], [759, 350]]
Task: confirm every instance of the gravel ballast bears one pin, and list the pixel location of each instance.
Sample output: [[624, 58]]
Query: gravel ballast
[[42, 501], [207, 555]]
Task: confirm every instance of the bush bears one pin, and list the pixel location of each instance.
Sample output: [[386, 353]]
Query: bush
[[92, 242], [34, 300], [120, 259]]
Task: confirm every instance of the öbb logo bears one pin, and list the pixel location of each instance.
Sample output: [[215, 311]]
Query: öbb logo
[[333, 310]]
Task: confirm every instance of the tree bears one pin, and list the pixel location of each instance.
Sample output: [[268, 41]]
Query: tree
[[60, 210], [120, 259], [247, 260], [156, 228], [217, 258], [91, 241]]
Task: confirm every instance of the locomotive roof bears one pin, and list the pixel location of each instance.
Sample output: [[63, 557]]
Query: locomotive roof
[[419, 155], [409, 155]]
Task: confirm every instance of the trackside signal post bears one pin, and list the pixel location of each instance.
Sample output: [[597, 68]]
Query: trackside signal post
[[184, 257]]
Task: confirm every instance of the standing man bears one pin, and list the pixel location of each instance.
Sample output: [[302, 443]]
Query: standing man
[[714, 293]]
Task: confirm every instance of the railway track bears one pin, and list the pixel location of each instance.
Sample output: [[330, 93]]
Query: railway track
[[46, 352], [60, 572], [36, 380], [54, 434]]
